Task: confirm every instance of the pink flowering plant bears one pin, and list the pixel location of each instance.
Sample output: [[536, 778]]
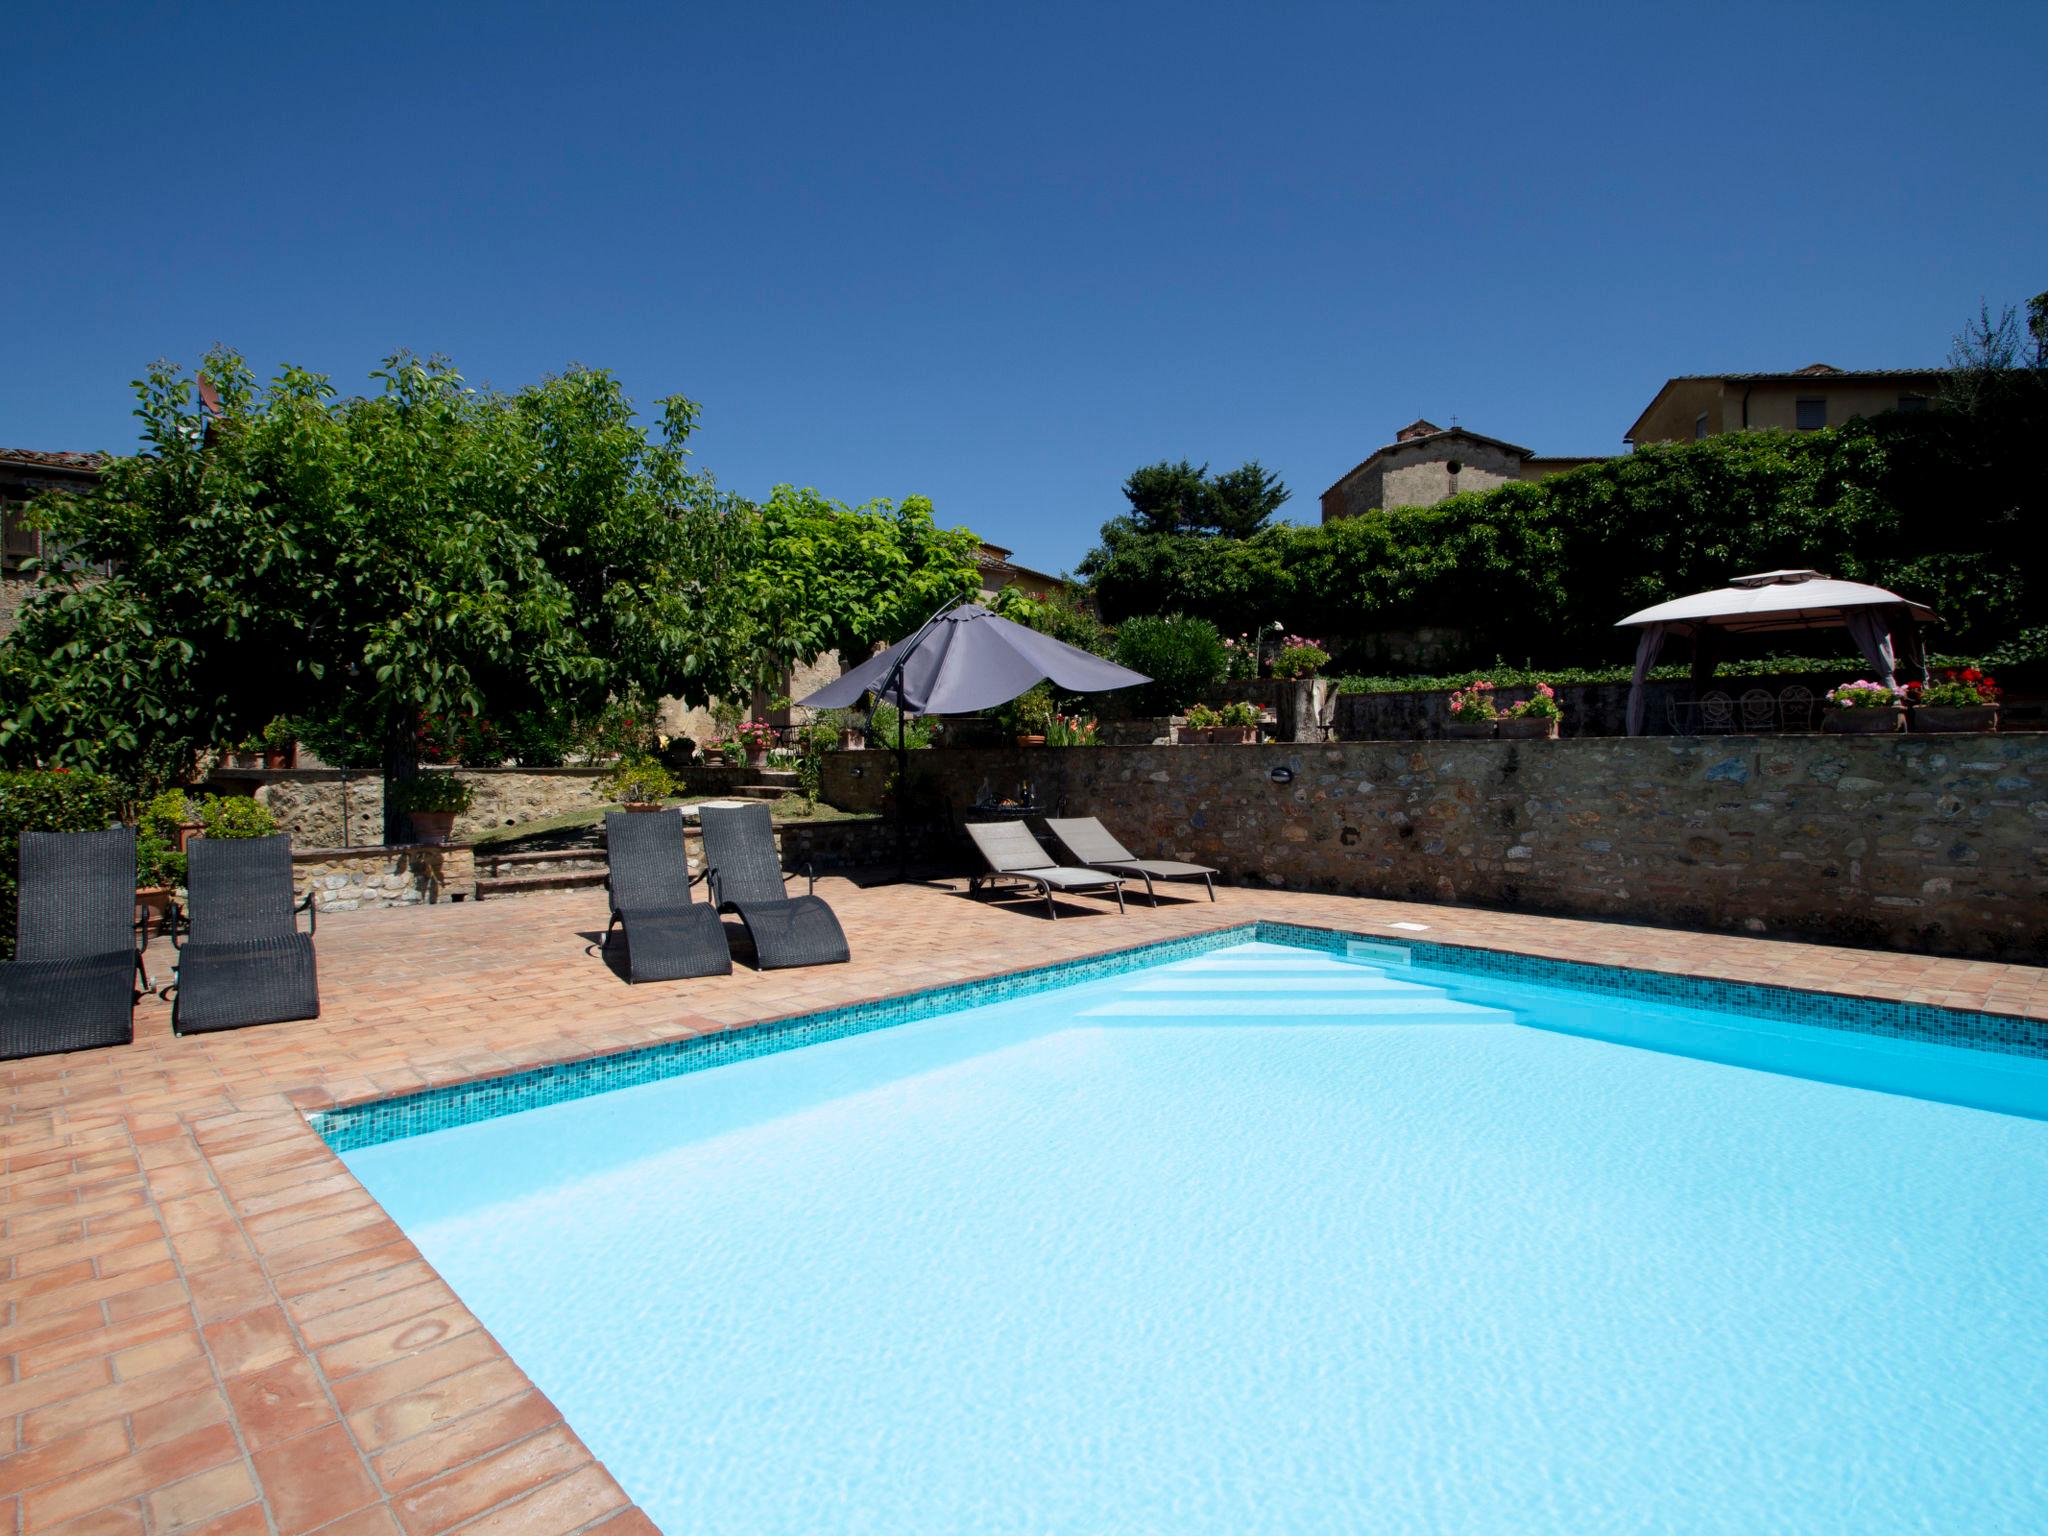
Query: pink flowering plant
[[755, 735], [1299, 657], [1240, 659], [1864, 694], [1473, 703], [1540, 705], [1072, 731]]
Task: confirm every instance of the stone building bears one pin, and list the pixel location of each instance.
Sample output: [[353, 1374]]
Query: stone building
[[1697, 405], [25, 473], [1426, 464]]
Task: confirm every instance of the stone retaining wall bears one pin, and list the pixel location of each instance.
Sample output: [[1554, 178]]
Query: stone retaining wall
[[1929, 843], [347, 879]]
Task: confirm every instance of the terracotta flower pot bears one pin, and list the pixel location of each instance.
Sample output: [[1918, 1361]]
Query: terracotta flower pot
[[152, 902], [1235, 735], [1528, 728], [432, 826], [1939, 718], [1864, 722], [1030, 741], [187, 830], [642, 806], [279, 759], [757, 757], [1469, 730], [852, 741]]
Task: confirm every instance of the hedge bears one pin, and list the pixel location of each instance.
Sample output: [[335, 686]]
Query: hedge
[[1938, 506], [45, 800]]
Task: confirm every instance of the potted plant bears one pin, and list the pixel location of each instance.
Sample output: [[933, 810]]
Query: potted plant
[[1298, 658], [1202, 725], [1237, 725], [174, 816], [1864, 708], [1965, 699], [756, 737], [223, 816], [1030, 715], [1472, 711], [1535, 718], [639, 783], [159, 869], [432, 801], [734, 752], [280, 740]]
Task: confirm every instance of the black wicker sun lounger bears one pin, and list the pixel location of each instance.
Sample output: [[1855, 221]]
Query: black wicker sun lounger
[[72, 982], [1090, 842], [244, 960], [667, 935], [747, 878], [1012, 853]]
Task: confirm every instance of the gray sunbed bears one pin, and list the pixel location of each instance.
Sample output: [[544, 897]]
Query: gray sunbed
[[746, 877], [668, 936], [1090, 842], [71, 984], [1012, 853], [244, 960]]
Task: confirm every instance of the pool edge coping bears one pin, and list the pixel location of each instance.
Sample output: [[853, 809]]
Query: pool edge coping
[[483, 1093]]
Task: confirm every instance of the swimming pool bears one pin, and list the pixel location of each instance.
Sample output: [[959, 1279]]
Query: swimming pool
[[1269, 1238]]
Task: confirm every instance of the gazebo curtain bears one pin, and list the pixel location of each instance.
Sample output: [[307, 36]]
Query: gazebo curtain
[[1646, 657], [1867, 628]]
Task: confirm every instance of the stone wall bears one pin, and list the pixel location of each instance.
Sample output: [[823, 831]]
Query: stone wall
[[308, 802], [1928, 843], [347, 879]]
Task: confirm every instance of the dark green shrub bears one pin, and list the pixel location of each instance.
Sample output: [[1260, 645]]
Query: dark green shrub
[[883, 730], [1181, 655], [236, 816], [157, 860], [45, 800]]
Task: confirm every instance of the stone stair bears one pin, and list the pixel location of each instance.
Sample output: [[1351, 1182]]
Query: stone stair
[[539, 869], [774, 785]]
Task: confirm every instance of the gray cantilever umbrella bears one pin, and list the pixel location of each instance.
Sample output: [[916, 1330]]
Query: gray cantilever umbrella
[[965, 658]]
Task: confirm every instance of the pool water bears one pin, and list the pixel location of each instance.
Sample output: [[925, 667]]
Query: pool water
[[1273, 1241]]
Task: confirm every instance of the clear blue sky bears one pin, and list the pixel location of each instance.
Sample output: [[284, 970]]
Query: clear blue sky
[[1003, 255]]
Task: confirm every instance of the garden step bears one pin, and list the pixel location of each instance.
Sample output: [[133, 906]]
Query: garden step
[[526, 860], [521, 885], [764, 791]]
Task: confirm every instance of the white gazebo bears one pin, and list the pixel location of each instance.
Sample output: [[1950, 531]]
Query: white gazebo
[[1885, 626]]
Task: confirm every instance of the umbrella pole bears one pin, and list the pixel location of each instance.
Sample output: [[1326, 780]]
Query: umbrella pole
[[895, 680]]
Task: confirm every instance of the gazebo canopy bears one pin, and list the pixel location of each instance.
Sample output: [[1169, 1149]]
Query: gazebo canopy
[[1774, 600], [1884, 625]]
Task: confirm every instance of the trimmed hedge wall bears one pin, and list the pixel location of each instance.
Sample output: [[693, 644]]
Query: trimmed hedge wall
[[45, 800]]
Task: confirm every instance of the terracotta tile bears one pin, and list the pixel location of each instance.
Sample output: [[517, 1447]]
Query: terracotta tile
[[251, 1341], [115, 1520], [279, 1404], [486, 1483], [423, 1330], [313, 1479], [377, 1520], [426, 1373], [62, 1458], [629, 1523], [228, 1290], [449, 1444], [249, 1520], [492, 1381], [114, 1401], [209, 1494], [179, 1415], [556, 1510], [130, 1477]]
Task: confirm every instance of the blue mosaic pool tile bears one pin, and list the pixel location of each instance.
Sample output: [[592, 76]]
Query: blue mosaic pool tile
[[414, 1114]]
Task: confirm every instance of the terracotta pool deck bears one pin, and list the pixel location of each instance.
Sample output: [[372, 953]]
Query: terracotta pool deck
[[206, 1324]]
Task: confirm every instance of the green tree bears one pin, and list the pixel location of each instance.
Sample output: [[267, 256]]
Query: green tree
[[821, 576], [373, 561], [1177, 498]]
